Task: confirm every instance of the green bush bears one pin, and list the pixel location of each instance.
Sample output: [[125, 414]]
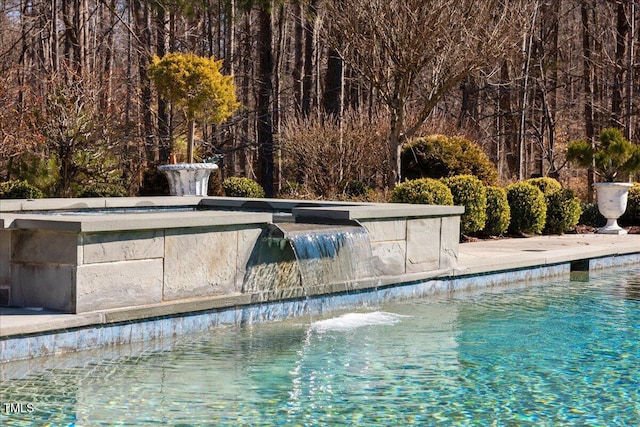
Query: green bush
[[545, 184], [632, 214], [528, 208], [563, 208], [591, 216], [19, 189], [102, 189], [563, 211], [439, 156], [468, 191], [422, 191], [498, 211], [242, 187]]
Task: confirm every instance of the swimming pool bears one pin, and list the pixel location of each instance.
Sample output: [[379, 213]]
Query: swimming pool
[[564, 353]]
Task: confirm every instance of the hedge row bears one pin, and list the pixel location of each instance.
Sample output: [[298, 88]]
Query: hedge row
[[534, 206]]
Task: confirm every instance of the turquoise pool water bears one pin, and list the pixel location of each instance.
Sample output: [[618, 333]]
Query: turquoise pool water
[[561, 353]]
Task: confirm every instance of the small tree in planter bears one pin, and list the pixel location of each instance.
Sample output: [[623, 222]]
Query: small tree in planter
[[197, 87], [613, 157]]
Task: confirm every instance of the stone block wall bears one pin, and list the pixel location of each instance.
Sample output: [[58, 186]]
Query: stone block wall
[[413, 245], [5, 267], [78, 272]]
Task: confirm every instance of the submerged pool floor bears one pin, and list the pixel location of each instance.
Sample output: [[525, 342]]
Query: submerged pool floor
[[564, 352]]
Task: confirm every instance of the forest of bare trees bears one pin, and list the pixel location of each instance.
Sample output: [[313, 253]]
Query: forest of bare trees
[[336, 85]]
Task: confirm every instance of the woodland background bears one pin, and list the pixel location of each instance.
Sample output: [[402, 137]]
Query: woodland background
[[327, 87]]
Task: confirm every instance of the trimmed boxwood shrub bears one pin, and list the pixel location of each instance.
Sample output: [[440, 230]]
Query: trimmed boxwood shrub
[[498, 211], [563, 211], [528, 208], [545, 184], [468, 191], [439, 156], [102, 189], [19, 189], [632, 214], [563, 208], [422, 191], [242, 187]]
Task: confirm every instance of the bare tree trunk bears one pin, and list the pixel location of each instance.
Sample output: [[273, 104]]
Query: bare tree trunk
[[630, 70], [622, 29], [587, 74], [309, 43], [334, 85], [298, 56], [395, 139], [243, 162], [524, 107], [469, 107], [550, 26], [191, 126], [163, 107], [277, 92], [230, 58], [142, 24], [55, 53], [265, 88]]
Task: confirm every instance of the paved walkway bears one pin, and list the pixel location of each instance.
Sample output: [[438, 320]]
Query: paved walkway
[[475, 257]]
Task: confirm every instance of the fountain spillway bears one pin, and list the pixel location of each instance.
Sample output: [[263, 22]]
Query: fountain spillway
[[310, 256]]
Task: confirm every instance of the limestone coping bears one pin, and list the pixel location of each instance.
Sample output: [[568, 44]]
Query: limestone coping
[[22, 213], [137, 221], [377, 211]]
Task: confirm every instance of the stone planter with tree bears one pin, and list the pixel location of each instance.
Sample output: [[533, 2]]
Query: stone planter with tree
[[196, 86], [613, 158]]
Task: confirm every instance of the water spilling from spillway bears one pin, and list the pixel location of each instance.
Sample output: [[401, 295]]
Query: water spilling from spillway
[[309, 255]]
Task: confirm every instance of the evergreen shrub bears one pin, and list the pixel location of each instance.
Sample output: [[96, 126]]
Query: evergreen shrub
[[468, 191], [422, 191], [528, 208], [242, 187], [563, 207], [19, 189], [591, 216], [439, 156], [102, 189], [498, 211], [545, 184], [563, 211]]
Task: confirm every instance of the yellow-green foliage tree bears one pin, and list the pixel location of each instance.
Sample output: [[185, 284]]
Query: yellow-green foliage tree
[[195, 85]]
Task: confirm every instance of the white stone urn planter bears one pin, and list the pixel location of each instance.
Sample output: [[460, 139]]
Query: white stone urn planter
[[188, 179], [612, 202]]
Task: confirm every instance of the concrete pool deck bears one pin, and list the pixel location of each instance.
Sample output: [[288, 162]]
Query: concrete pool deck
[[474, 258]]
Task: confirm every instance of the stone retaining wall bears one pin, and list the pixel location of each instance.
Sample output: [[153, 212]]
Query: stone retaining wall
[[79, 263]]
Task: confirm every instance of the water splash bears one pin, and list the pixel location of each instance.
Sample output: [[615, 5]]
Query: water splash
[[351, 321]]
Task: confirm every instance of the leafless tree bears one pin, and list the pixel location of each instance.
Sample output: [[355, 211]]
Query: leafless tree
[[414, 51]]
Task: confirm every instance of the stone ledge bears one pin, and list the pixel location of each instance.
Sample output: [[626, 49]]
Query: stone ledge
[[138, 221], [375, 211]]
